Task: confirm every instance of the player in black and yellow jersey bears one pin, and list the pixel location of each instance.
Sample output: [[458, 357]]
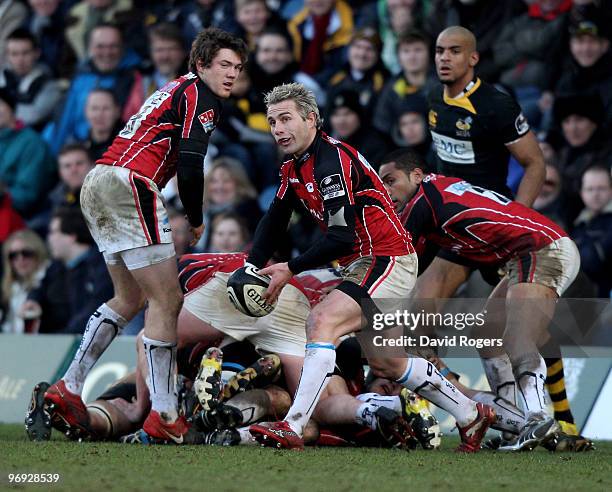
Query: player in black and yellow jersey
[[475, 127]]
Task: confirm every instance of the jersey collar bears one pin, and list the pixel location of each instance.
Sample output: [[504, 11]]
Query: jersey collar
[[309, 151], [462, 100]]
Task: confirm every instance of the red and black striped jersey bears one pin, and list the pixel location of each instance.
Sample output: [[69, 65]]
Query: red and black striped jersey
[[345, 196], [474, 223], [179, 117]]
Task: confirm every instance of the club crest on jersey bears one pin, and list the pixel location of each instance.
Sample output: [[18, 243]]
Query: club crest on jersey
[[433, 118], [332, 187], [208, 120], [310, 187], [463, 126]]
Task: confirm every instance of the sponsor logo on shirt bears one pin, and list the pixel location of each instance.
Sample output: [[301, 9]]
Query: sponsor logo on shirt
[[453, 150], [310, 187], [207, 118], [332, 187]]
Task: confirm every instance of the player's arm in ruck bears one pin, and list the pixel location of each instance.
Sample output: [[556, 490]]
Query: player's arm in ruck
[[336, 191], [194, 103]]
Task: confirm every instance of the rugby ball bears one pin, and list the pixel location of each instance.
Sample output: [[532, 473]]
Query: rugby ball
[[245, 289]]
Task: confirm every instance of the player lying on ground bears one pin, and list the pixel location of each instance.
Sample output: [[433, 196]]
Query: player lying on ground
[[341, 191], [486, 229]]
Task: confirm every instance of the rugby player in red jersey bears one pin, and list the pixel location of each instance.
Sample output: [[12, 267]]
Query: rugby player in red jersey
[[337, 186], [482, 228], [122, 203]]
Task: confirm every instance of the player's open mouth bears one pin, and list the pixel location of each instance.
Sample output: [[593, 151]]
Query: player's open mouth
[[445, 70], [283, 142], [228, 85]]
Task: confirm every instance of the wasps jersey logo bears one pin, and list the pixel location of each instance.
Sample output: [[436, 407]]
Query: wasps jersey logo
[[463, 126], [433, 118]]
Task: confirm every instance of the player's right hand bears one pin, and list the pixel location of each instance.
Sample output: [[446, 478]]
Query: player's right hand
[[197, 234]]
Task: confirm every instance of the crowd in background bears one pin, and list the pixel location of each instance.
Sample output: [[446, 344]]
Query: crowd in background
[[72, 72]]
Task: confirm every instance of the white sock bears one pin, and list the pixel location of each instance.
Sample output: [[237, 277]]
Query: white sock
[[509, 417], [161, 357], [390, 402], [425, 380], [318, 368], [530, 374], [246, 438], [500, 377], [102, 328]]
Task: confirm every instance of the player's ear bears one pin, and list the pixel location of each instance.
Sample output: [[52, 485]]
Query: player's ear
[[312, 119], [474, 58], [418, 175]]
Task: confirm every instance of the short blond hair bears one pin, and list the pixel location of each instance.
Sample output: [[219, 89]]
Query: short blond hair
[[303, 98]]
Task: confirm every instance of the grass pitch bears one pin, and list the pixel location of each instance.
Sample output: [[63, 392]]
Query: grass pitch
[[109, 466]]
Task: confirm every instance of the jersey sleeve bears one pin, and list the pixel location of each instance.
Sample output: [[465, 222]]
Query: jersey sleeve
[[507, 119]]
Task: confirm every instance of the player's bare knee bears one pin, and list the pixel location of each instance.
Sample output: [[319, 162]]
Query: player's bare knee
[[280, 400]]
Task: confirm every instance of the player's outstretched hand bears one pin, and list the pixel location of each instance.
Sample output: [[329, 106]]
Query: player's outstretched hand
[[280, 275], [197, 234]]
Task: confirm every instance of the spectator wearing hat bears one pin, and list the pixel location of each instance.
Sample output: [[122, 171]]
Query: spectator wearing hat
[[593, 228], [411, 86], [588, 68], [321, 31], [349, 125], [364, 72], [580, 119], [29, 81], [27, 168]]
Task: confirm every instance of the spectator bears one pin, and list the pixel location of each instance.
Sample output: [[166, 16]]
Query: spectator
[[411, 131], [227, 188], [24, 259], [87, 14], [274, 64], [349, 125], [412, 83], [76, 282], [228, 233], [321, 31], [587, 71], [253, 18], [580, 118], [169, 61], [529, 50], [108, 68], [29, 81], [47, 24], [27, 168], [392, 19], [103, 116], [363, 73], [484, 18], [593, 228], [197, 15], [74, 162], [12, 15]]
